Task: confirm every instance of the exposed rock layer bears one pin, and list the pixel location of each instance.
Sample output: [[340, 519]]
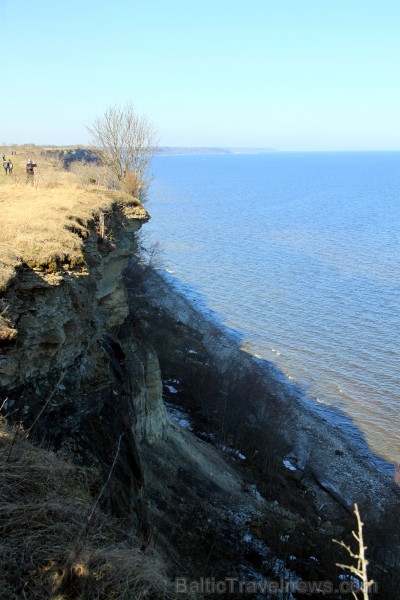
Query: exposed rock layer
[[68, 375]]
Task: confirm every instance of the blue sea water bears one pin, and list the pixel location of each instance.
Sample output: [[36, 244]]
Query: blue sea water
[[300, 253]]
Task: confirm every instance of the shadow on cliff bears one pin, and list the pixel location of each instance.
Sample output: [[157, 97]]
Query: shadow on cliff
[[68, 386]]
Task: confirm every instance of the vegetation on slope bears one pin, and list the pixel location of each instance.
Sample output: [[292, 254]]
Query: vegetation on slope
[[56, 542]]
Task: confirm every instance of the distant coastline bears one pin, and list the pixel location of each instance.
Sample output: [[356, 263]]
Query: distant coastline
[[174, 150]]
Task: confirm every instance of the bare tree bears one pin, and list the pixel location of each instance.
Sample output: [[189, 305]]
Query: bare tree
[[126, 142], [360, 571]]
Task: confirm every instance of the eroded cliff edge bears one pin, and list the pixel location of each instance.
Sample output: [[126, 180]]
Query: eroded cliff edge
[[64, 371], [80, 378]]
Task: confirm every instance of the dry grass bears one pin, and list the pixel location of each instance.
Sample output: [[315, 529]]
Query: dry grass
[[44, 224], [44, 507], [90, 173]]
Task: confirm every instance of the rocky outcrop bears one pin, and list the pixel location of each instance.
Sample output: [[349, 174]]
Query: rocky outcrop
[[58, 316], [77, 381]]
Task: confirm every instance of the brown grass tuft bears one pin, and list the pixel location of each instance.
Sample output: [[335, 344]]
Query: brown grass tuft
[[44, 506]]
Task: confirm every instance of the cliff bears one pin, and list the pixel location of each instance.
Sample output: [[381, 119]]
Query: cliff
[[64, 347], [66, 378], [82, 335], [80, 378]]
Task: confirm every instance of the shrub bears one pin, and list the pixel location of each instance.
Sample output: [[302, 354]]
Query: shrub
[[133, 184]]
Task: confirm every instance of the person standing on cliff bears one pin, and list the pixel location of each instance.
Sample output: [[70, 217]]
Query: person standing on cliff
[[30, 173]]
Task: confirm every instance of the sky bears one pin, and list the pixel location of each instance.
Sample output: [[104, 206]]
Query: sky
[[290, 74]]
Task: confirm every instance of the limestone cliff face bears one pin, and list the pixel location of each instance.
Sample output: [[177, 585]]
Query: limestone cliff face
[[78, 379]]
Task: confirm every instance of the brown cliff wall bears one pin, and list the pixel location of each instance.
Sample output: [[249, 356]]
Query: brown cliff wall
[[67, 375]]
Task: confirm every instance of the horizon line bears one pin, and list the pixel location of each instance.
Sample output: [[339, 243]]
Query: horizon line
[[264, 149]]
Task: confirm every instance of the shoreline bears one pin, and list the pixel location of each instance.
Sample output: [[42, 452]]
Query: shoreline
[[343, 464], [356, 436], [326, 411], [298, 268]]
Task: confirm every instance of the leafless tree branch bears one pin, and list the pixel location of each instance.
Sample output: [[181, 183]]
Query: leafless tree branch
[[126, 142]]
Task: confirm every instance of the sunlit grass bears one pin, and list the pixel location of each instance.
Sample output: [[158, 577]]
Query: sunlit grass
[[46, 223]]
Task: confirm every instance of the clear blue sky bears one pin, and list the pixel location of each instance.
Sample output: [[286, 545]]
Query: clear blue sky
[[293, 75]]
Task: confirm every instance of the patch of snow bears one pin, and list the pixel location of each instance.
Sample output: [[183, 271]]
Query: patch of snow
[[179, 416], [289, 465], [284, 538], [232, 451], [247, 538], [171, 389]]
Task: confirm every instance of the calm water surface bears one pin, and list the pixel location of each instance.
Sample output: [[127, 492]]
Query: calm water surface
[[300, 252]]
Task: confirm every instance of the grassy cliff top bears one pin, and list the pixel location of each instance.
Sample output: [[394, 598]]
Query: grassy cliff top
[[45, 223]]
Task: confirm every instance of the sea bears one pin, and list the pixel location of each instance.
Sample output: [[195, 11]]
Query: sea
[[299, 255]]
